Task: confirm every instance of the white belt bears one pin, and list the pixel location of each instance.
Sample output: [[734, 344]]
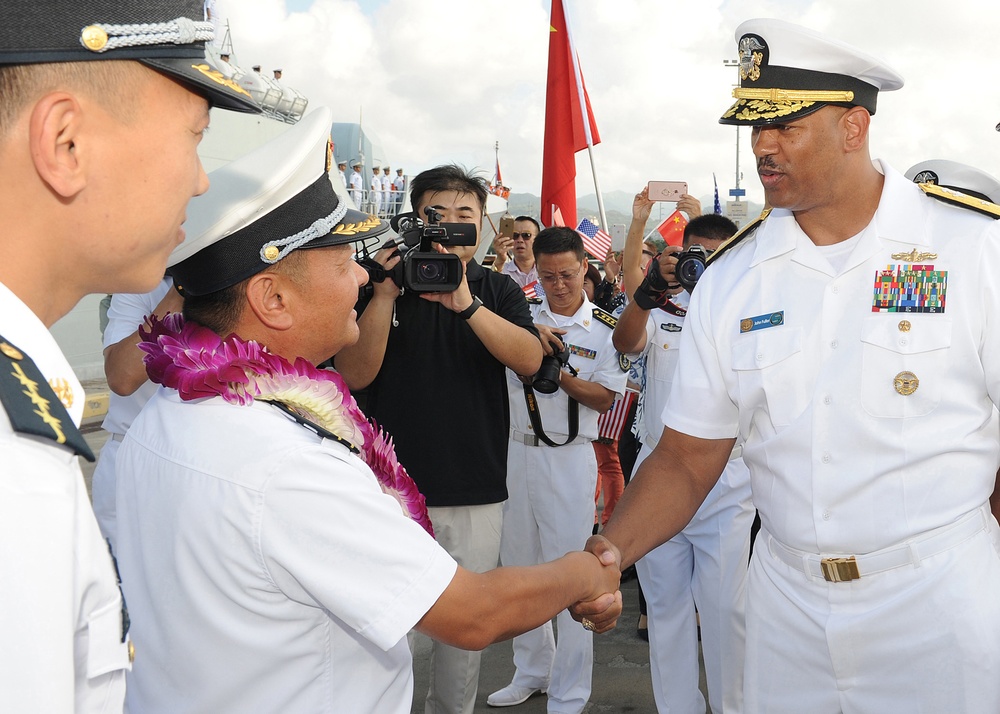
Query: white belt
[[837, 569], [650, 441], [533, 440], [117, 437]]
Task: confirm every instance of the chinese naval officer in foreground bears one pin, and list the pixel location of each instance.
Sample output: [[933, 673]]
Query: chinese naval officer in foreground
[[102, 105], [849, 340], [264, 567]]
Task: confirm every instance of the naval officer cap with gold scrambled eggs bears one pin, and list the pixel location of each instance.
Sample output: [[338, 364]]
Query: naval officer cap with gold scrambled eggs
[[788, 72]]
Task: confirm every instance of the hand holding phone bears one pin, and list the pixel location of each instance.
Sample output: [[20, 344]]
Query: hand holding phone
[[667, 190]]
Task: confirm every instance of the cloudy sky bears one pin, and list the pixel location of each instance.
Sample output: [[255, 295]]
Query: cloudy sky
[[442, 80]]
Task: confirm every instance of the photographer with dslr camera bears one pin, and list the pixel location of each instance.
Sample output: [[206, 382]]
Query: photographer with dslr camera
[[433, 363], [705, 565], [551, 466]]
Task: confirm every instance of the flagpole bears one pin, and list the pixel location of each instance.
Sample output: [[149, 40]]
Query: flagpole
[[586, 118]]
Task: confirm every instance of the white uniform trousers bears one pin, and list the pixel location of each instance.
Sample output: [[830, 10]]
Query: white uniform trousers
[[550, 512], [919, 639], [705, 565], [103, 490], [471, 535]]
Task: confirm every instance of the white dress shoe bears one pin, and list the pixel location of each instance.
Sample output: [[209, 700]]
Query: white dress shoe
[[512, 695]]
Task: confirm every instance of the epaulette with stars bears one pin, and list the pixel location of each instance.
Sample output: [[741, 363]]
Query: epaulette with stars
[[957, 198], [31, 405], [738, 236], [605, 317]]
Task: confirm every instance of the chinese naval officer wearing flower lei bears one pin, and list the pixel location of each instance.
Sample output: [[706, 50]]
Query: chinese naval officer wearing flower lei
[[263, 539]]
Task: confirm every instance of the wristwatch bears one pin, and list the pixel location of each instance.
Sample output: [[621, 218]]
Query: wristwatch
[[471, 309]]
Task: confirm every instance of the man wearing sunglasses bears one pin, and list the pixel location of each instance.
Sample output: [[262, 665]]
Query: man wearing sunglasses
[[522, 268]]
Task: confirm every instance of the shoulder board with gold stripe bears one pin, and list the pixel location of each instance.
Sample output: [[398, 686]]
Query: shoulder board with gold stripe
[[739, 235], [956, 198], [606, 317], [534, 301], [31, 405]]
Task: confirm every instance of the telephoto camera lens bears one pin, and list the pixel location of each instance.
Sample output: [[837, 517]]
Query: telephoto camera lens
[[546, 380]]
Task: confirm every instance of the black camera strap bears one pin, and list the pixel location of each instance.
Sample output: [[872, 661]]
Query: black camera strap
[[535, 416]]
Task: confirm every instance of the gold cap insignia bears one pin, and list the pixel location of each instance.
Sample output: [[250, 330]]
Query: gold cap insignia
[[219, 78], [271, 252], [11, 351], [94, 38], [905, 383]]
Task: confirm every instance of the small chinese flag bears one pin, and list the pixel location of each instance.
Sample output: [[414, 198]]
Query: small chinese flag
[[672, 229]]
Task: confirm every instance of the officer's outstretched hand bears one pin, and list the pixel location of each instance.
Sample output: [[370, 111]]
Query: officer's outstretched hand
[[602, 612]]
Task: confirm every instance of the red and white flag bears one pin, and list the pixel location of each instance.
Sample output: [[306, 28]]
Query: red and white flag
[[595, 241], [611, 423], [557, 219], [531, 290]]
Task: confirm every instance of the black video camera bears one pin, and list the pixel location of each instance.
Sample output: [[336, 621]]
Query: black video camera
[[691, 265], [546, 379], [422, 269]]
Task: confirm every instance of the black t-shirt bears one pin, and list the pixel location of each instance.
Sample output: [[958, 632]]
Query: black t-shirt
[[442, 396]]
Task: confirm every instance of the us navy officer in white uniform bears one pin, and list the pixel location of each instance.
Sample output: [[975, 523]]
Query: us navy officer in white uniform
[[705, 565], [99, 161], [550, 506], [849, 339]]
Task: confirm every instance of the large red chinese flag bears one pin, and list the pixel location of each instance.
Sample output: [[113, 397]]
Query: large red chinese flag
[[565, 131]]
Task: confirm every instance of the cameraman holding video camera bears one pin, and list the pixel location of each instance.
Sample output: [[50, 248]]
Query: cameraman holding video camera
[[433, 364], [551, 466]]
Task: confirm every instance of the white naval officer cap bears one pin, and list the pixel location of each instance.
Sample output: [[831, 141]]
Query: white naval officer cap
[[958, 177], [788, 71], [262, 206]]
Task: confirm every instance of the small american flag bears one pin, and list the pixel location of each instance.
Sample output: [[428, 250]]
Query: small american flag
[[595, 241], [531, 290], [611, 423]]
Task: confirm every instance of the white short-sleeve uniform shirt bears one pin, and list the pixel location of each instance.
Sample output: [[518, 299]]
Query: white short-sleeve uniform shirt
[[815, 371], [592, 354], [265, 568]]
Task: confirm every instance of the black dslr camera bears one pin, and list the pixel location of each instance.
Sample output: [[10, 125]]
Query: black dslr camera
[[690, 266], [546, 379], [422, 269]]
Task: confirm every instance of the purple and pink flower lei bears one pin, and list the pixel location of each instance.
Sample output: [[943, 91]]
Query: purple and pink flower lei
[[198, 363]]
